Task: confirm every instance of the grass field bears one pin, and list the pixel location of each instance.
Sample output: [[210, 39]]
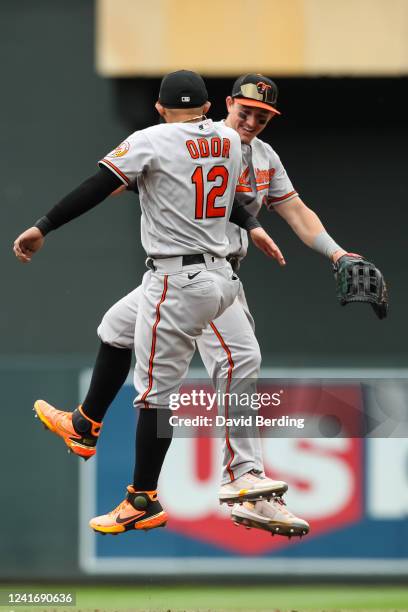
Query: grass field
[[218, 599]]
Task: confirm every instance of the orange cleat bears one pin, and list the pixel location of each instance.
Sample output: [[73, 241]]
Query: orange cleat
[[81, 443], [140, 510]]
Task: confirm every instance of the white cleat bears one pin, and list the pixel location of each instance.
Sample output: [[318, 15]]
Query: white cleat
[[251, 486], [270, 516]]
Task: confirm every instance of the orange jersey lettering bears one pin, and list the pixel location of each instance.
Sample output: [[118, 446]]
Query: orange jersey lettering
[[202, 148]]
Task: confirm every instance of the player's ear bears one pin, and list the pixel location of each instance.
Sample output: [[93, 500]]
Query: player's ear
[[160, 109], [229, 102], [206, 107]]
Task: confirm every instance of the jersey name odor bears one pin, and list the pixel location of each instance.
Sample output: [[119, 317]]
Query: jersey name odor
[[204, 147]]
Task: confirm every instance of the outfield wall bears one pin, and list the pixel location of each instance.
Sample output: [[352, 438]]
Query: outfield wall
[[353, 492]]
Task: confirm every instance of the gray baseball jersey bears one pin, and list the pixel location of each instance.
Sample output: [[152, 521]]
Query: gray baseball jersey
[[186, 174], [263, 182], [228, 346]]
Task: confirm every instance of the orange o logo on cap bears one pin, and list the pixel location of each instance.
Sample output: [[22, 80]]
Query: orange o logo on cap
[[263, 86]]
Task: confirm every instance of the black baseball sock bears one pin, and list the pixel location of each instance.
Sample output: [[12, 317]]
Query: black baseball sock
[[150, 448], [111, 368]]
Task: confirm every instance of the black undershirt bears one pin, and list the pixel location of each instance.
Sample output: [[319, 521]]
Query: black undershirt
[[97, 188], [89, 194]]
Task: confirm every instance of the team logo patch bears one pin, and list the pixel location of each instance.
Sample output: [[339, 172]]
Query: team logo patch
[[262, 87], [121, 150]]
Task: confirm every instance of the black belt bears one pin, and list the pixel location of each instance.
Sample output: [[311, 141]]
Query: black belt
[[189, 260]]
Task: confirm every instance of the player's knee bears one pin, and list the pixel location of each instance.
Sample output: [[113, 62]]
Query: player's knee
[[109, 333], [252, 358], [247, 362]]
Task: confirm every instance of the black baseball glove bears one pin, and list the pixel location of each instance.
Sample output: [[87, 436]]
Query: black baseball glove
[[358, 280]]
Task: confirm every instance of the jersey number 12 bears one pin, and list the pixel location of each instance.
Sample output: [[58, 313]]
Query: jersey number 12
[[205, 206]]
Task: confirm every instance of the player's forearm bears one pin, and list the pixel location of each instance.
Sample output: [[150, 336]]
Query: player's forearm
[[303, 221], [308, 227], [85, 197]]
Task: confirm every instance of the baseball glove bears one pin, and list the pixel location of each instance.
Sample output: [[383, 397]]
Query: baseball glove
[[358, 280]]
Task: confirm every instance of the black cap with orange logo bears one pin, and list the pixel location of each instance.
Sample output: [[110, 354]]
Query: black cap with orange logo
[[256, 90]]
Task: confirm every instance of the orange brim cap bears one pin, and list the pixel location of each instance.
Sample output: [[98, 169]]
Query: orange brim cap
[[257, 104]]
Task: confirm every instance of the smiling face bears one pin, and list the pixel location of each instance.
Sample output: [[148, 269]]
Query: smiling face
[[248, 121]]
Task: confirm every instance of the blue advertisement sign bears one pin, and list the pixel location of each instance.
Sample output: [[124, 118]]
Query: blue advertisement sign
[[353, 492]]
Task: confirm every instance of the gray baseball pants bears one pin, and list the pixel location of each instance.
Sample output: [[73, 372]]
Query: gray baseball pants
[[164, 318]]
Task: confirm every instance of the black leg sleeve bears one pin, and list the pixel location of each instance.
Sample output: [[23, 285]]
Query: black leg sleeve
[[150, 448], [111, 368]]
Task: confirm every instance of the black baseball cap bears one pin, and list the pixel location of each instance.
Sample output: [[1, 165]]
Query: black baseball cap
[[183, 89], [256, 90]]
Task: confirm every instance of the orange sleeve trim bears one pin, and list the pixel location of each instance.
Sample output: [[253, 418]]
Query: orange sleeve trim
[[154, 338], [288, 195], [262, 186], [116, 170], [241, 188], [230, 369]]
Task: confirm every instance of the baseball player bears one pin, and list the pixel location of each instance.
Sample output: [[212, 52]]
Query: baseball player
[[186, 171], [228, 346]]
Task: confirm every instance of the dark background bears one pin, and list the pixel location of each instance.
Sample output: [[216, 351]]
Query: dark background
[[343, 142]]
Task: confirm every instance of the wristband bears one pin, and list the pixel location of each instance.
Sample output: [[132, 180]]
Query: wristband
[[44, 225], [324, 244]]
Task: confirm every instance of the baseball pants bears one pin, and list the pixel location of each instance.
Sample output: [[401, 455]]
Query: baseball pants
[[164, 319]]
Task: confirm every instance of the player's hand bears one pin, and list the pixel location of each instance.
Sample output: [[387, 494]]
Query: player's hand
[[337, 254], [265, 243], [28, 243]]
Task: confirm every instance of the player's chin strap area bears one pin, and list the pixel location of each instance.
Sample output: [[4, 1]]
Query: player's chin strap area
[[193, 119]]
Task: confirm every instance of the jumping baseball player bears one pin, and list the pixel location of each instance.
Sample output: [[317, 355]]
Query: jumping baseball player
[[264, 181], [228, 346], [186, 171]]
